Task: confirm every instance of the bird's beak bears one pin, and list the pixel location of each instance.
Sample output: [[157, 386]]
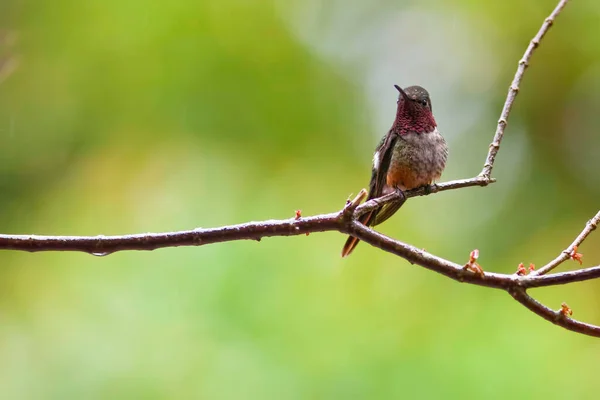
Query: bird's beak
[[398, 88]]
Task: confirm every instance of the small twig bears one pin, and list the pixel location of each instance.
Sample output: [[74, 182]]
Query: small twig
[[513, 90], [568, 253], [351, 205]]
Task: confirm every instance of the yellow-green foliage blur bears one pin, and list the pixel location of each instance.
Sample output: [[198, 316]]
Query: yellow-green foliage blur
[[134, 116]]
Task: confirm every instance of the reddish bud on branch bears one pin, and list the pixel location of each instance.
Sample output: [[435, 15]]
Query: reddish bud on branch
[[565, 310]]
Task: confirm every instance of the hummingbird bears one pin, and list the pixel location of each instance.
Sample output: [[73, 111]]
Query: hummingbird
[[412, 154]]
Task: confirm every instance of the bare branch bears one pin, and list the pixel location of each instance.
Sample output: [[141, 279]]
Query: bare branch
[[572, 249], [423, 191], [104, 245], [562, 278], [513, 90], [556, 317]]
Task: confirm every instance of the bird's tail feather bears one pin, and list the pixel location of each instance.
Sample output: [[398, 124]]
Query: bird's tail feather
[[352, 242]]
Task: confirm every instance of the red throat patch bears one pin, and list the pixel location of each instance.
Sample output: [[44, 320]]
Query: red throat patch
[[413, 117]]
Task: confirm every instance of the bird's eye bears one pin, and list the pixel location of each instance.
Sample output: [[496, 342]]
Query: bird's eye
[[424, 103]]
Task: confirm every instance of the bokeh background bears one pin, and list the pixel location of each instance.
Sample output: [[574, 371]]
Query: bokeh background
[[133, 116]]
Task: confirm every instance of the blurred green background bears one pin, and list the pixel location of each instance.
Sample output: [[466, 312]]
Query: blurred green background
[[130, 116]]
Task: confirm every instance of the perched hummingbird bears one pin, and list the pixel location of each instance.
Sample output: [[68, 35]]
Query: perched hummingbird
[[412, 154]]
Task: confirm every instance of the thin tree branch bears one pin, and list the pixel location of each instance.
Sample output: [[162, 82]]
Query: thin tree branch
[[513, 90], [104, 245], [427, 260], [424, 191], [346, 221], [459, 273], [572, 249], [562, 278], [556, 317]]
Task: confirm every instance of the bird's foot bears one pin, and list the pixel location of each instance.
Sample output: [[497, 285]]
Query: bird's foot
[[428, 189], [401, 196]]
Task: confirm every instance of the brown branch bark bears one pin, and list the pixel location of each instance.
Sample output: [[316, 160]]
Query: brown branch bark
[[556, 317], [346, 222]]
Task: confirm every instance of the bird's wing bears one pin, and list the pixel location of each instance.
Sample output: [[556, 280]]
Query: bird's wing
[[381, 164], [385, 212]]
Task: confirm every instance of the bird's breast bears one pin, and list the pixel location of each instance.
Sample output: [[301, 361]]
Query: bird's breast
[[418, 159]]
